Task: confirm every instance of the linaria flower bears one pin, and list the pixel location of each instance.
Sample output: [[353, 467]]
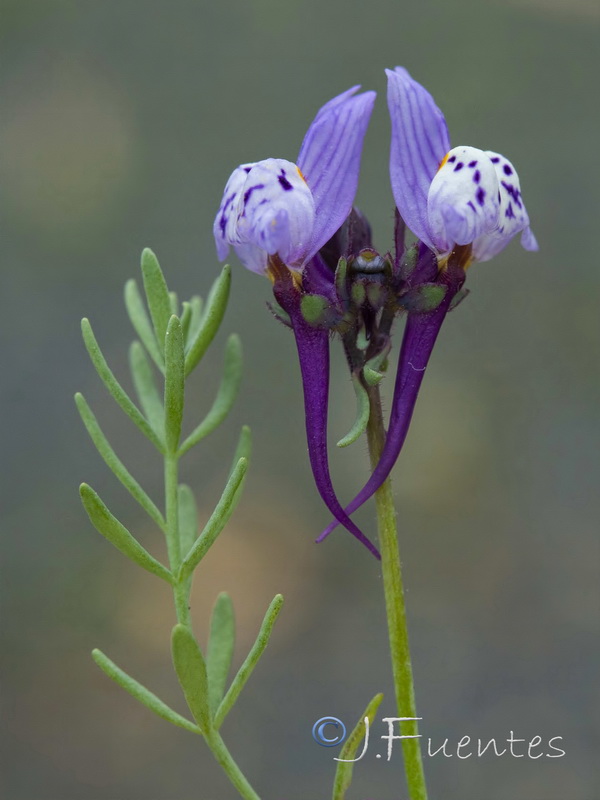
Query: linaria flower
[[277, 215], [465, 205], [276, 207]]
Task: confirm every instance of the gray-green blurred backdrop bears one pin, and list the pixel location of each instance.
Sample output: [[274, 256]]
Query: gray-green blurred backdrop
[[119, 126]]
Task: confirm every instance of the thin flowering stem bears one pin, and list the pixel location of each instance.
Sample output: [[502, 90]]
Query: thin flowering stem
[[395, 608]]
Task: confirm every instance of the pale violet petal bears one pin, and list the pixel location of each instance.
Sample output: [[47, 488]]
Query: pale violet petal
[[512, 215], [463, 201], [252, 257], [419, 142], [330, 161]]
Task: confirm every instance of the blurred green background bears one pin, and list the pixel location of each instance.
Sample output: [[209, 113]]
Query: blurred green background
[[120, 124]]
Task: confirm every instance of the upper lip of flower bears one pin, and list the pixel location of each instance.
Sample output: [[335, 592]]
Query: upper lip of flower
[[275, 206], [448, 197]]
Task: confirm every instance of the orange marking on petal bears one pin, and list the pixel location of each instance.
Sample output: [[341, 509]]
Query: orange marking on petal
[[301, 175], [443, 161]]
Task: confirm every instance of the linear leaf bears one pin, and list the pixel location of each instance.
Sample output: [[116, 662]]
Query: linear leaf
[[141, 322], [191, 672], [362, 414], [230, 384], [114, 387], [243, 450], [174, 383], [145, 386], [196, 305], [217, 521], [345, 767], [114, 463], [188, 517], [140, 693], [118, 535], [216, 303], [157, 295], [186, 318], [251, 661], [174, 303], [220, 649]]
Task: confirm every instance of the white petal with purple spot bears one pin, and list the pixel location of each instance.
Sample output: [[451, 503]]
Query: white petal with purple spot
[[266, 206], [512, 215], [463, 201]]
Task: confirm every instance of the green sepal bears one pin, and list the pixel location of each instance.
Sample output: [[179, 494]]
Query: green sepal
[[317, 310], [114, 387], [188, 517], [343, 773], [341, 279], [146, 389], [140, 320], [216, 303], [362, 413], [230, 383], [174, 383], [191, 671], [114, 463], [358, 293], [458, 298], [157, 295], [219, 653], [217, 521], [251, 661], [410, 260], [426, 297], [118, 535], [141, 694], [375, 367]]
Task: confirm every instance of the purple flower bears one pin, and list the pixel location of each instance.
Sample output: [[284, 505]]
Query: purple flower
[[446, 196], [277, 215], [464, 204], [275, 207]]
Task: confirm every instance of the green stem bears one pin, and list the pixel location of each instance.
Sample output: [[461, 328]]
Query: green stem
[[395, 607], [231, 769], [181, 595]]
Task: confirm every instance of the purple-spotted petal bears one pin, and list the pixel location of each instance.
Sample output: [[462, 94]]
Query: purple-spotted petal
[[266, 205], [225, 225], [330, 161], [512, 214], [420, 141], [463, 201]]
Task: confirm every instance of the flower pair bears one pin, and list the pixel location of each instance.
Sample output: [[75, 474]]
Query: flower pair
[[293, 222]]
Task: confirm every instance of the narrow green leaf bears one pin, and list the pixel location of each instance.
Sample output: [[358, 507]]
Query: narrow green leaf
[[375, 367], [186, 319], [174, 303], [220, 649], [230, 384], [114, 387], [174, 383], [243, 450], [118, 535], [114, 463], [188, 517], [141, 694], [362, 414], [217, 521], [141, 322], [145, 386], [191, 672], [343, 774], [195, 319], [157, 295], [216, 304], [251, 661]]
